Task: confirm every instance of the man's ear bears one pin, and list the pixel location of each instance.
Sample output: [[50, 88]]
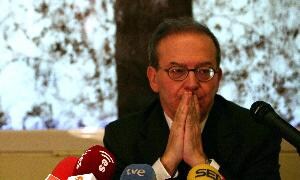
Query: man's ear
[[152, 77]]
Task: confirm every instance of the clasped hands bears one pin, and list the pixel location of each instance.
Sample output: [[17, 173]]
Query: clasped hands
[[184, 141]]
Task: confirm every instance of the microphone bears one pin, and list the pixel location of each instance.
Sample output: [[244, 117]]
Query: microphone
[[204, 172], [262, 112], [51, 177], [138, 171], [63, 169], [83, 177], [98, 161]]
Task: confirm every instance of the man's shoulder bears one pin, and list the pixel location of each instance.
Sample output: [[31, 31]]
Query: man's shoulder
[[244, 124], [130, 120], [231, 108], [135, 119], [123, 135]]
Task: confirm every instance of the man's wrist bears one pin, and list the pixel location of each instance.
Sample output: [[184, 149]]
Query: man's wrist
[[161, 172], [167, 165]]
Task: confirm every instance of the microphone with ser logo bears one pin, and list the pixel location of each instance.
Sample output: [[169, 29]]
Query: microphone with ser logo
[[204, 172]]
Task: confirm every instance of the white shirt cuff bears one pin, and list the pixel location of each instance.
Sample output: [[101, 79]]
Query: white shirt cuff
[[161, 172], [214, 164]]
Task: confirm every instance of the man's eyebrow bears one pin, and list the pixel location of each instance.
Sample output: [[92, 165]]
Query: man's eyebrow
[[176, 63], [206, 63]]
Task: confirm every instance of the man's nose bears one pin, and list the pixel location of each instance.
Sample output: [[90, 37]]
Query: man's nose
[[191, 82]]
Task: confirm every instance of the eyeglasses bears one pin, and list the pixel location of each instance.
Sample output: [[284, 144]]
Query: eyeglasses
[[179, 73]]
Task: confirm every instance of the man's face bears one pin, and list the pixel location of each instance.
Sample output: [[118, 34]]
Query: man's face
[[190, 50]]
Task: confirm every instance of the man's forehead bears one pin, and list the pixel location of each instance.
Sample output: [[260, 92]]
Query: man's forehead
[[185, 33]]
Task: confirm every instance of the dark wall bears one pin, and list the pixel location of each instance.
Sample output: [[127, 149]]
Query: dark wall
[[136, 20]]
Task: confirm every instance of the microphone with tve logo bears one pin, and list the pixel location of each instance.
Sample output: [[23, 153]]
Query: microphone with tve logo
[[139, 172], [263, 113], [98, 161]]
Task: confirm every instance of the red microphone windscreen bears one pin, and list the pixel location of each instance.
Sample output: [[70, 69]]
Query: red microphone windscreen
[[65, 168], [97, 160]]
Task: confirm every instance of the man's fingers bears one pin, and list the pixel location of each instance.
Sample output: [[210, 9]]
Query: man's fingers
[[194, 110], [174, 150], [183, 108], [196, 103]]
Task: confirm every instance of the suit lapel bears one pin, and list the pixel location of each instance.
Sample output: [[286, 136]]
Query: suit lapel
[[219, 136], [153, 136]]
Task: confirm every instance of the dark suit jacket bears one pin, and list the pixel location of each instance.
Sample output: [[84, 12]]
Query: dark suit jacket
[[243, 148]]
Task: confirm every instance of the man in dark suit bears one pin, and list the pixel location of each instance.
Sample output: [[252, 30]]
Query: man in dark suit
[[188, 124]]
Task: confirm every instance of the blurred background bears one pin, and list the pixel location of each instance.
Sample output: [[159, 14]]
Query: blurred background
[[69, 64]]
